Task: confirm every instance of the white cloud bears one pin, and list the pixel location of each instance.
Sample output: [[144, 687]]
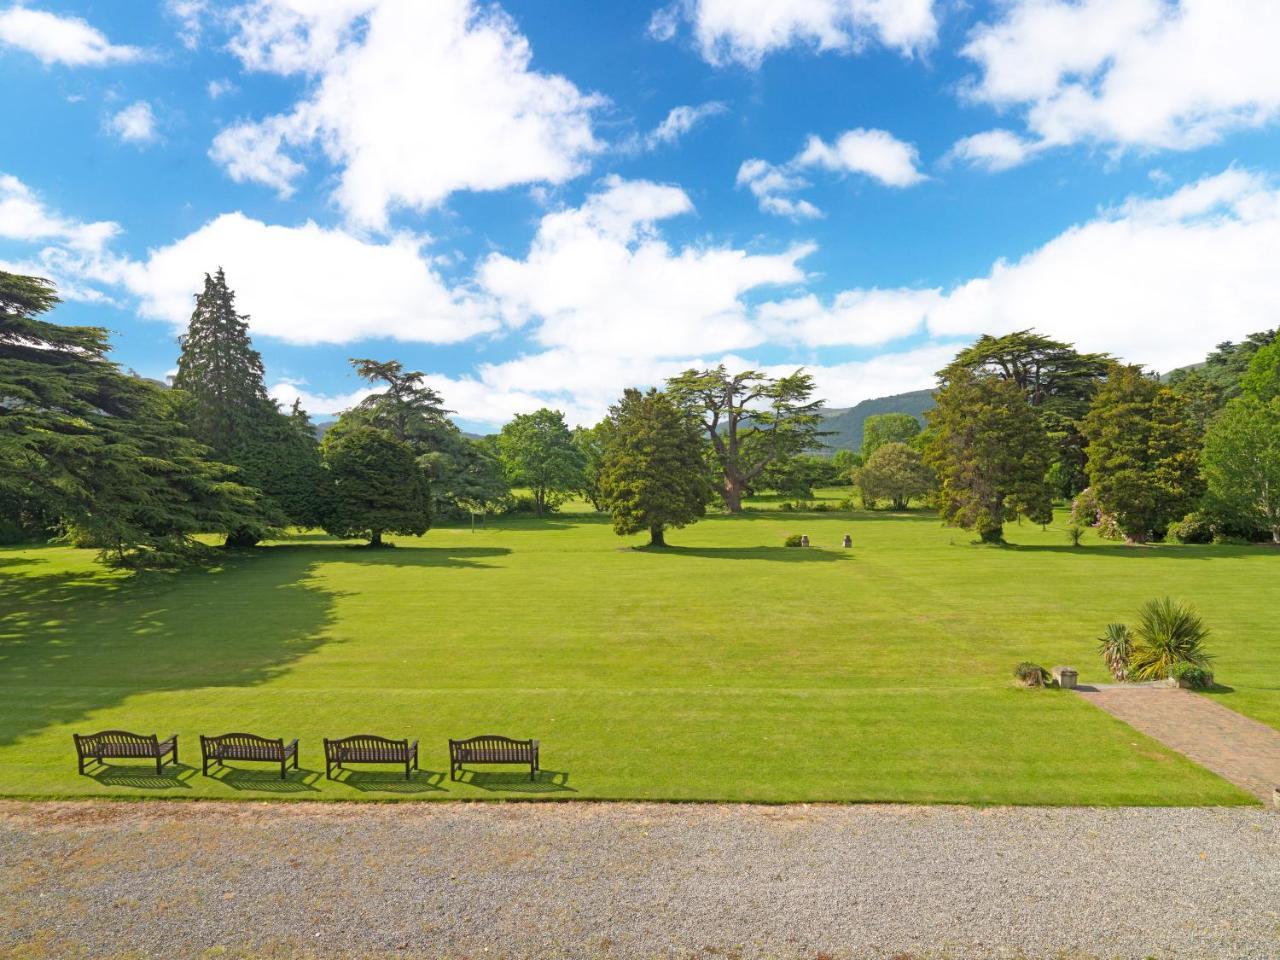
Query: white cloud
[[55, 39], [746, 31], [191, 15], [993, 150], [1132, 73], [25, 217], [872, 153], [309, 284], [679, 121], [136, 123], [218, 89], [447, 100], [854, 317], [600, 279]]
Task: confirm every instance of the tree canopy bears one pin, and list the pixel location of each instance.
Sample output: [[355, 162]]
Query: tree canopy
[[1242, 464], [653, 474], [374, 486], [882, 428], [751, 420], [538, 451], [894, 472]]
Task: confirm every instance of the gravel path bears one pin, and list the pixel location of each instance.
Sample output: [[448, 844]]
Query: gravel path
[[229, 880]]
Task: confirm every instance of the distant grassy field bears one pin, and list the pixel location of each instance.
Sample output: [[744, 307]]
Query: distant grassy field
[[725, 668]]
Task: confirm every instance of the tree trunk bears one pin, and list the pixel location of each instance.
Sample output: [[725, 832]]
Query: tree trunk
[[656, 538], [375, 540], [732, 493], [1275, 535]]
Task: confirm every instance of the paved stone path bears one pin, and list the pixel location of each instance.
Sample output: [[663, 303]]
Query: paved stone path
[[1233, 746]]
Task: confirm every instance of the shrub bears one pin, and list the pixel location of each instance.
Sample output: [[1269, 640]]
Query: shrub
[[848, 504], [1198, 678], [821, 507], [1116, 645], [794, 540], [1195, 527], [1168, 633], [1031, 674], [1075, 533]]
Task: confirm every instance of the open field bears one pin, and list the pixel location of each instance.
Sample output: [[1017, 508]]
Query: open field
[[725, 668]]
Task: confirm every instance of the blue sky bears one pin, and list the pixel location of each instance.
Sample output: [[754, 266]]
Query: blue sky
[[540, 203]]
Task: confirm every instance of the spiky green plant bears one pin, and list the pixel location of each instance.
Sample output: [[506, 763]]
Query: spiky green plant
[[1116, 646], [1168, 632]]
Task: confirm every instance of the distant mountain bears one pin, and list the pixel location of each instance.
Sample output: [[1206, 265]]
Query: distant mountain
[[845, 424]]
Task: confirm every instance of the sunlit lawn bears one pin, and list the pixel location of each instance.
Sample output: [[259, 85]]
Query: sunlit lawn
[[725, 668]]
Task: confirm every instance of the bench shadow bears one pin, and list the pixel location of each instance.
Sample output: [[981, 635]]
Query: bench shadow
[[810, 554], [138, 777], [267, 780], [548, 781], [366, 781]]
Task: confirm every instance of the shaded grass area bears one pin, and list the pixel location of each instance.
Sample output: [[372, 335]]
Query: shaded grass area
[[724, 668]]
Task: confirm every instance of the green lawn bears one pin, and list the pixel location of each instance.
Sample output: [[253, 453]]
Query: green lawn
[[725, 668]]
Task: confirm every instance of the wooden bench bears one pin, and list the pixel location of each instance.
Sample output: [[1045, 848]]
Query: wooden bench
[[247, 746], [123, 745], [492, 749], [367, 748]]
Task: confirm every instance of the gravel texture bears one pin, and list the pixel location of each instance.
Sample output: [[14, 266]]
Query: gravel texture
[[93, 879]]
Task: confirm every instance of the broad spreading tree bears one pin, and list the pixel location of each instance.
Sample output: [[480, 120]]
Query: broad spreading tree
[[881, 428], [102, 451], [894, 472], [1143, 454], [1242, 464], [653, 474], [223, 399], [590, 443], [539, 453], [751, 420], [1059, 383], [990, 453], [373, 485]]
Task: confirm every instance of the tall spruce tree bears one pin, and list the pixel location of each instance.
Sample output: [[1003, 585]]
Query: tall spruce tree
[[990, 453], [225, 403], [653, 475], [1143, 450], [102, 451]]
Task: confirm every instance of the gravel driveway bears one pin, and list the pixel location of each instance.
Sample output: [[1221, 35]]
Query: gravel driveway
[[155, 879]]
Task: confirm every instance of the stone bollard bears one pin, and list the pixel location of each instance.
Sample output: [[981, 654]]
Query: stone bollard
[[848, 541], [1064, 677], [804, 540]]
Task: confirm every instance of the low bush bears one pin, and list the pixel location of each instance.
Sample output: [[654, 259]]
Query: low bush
[[1075, 533], [1031, 674], [1188, 674], [1168, 633], [794, 540], [821, 507], [1115, 645], [1195, 527]]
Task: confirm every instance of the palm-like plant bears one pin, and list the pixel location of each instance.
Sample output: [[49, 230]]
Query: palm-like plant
[[1168, 632], [1116, 646]]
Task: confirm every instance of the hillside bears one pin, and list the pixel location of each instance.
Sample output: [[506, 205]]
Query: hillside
[[845, 423]]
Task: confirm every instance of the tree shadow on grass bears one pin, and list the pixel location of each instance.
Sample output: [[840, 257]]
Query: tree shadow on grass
[[779, 554], [1152, 551], [547, 782], [422, 781], [143, 777]]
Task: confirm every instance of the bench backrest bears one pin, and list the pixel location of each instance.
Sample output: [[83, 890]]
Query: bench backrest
[[492, 746], [118, 742], [365, 746], [244, 746]]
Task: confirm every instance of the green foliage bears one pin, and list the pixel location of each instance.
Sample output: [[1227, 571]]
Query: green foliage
[[1075, 533], [1195, 527], [1201, 398], [751, 420], [794, 540], [100, 451], [374, 485], [1262, 380], [990, 454], [1242, 464], [1191, 675], [590, 442], [1168, 633], [538, 452], [223, 399], [844, 461], [1116, 647], [882, 428], [1031, 674], [1228, 364], [1143, 454], [842, 428], [894, 472], [653, 475]]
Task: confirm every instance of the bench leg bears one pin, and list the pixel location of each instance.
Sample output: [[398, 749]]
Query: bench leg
[[282, 768], [533, 770], [406, 769]]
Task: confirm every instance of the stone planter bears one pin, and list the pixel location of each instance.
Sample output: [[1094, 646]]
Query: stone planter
[[1186, 684], [1064, 677]]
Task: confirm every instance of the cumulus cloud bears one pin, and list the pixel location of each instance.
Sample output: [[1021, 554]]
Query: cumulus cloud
[[136, 123], [25, 217], [993, 150], [1131, 73], [679, 121], [448, 101], [871, 153], [67, 40], [746, 31], [600, 278]]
